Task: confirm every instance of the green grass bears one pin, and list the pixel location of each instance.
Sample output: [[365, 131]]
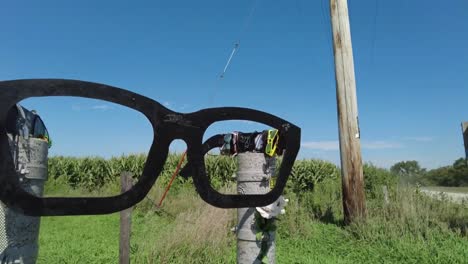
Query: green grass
[[79, 239], [187, 230], [447, 189], [331, 244], [411, 228], [94, 239]]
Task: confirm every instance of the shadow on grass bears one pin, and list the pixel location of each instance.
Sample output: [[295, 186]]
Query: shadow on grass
[[328, 216], [459, 224]]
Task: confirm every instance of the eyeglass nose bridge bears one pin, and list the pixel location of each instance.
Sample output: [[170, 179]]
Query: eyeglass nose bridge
[[180, 126]]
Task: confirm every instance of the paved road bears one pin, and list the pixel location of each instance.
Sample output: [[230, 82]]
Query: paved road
[[456, 197]]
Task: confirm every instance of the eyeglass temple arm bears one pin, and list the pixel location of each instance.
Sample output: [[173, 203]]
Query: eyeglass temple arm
[[215, 141]]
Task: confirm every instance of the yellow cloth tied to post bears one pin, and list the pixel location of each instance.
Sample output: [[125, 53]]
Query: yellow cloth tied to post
[[272, 142]]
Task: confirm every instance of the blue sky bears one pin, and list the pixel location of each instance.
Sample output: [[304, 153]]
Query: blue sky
[[411, 62]]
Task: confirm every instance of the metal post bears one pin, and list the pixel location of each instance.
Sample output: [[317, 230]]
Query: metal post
[[253, 177], [350, 146]]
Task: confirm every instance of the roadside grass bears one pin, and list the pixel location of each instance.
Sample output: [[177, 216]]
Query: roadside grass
[[446, 189], [94, 239], [79, 239], [410, 229]]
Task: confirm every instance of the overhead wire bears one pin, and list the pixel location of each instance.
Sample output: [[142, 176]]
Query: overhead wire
[[234, 49], [326, 22], [374, 34], [236, 46]]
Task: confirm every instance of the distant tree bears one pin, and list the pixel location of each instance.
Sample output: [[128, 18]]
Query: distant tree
[[459, 173], [409, 171], [375, 178], [437, 177], [460, 164], [454, 175]]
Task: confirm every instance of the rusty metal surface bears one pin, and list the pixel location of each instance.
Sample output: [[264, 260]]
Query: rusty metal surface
[[167, 126]]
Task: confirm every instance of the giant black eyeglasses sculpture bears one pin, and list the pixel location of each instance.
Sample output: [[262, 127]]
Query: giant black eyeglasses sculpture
[[167, 126]]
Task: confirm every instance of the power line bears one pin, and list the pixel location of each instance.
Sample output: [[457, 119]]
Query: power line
[[234, 49], [374, 33], [245, 26], [326, 23]]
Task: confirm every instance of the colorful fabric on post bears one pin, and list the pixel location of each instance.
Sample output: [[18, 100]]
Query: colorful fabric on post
[[272, 142], [226, 148], [259, 143], [246, 141], [238, 142]]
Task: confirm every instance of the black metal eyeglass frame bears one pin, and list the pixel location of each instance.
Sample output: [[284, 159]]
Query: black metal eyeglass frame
[[167, 126]]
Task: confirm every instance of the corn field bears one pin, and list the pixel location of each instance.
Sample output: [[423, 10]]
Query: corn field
[[95, 172]]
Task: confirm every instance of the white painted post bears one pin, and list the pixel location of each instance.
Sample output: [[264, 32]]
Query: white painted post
[[385, 195], [253, 177]]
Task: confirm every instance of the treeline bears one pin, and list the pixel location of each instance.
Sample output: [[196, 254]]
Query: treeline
[[454, 175]]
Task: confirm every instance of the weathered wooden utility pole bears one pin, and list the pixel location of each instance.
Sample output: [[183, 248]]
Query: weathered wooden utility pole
[[465, 137], [125, 221], [350, 147]]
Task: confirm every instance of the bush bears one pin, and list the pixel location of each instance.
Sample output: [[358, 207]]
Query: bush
[[454, 175], [307, 173], [324, 202], [375, 178]]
